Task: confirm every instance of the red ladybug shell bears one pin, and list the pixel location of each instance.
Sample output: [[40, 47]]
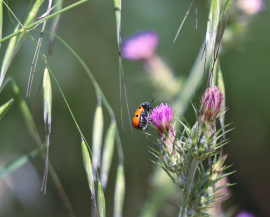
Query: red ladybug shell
[[136, 117]]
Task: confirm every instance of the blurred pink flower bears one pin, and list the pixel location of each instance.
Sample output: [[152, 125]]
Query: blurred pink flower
[[140, 46], [210, 104], [224, 192], [244, 214], [250, 6]]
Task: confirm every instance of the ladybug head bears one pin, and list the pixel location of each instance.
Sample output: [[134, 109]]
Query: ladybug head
[[147, 106]]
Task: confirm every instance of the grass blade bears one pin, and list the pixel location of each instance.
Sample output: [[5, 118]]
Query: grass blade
[[97, 137], [101, 201], [14, 165], [59, 4], [4, 108], [119, 191], [107, 155]]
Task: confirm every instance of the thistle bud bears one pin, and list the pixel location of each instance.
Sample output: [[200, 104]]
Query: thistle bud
[[210, 104], [203, 136]]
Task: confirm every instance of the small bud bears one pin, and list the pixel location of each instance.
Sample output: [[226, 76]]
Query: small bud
[[210, 104], [141, 46]]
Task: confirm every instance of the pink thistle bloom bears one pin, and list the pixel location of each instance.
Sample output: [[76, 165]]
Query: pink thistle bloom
[[161, 118], [140, 46], [244, 214], [250, 7], [210, 104]]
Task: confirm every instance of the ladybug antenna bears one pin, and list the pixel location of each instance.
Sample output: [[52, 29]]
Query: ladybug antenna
[[152, 101]]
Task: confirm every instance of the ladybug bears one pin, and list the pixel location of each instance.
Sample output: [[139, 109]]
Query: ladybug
[[139, 118]]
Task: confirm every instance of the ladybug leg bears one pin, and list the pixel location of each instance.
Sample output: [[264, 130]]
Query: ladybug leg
[[147, 131]]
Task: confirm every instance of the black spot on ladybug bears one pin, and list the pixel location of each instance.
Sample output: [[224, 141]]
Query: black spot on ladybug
[[140, 107], [137, 115]]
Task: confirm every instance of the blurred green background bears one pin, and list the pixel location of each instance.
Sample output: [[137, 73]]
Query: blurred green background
[[90, 30]]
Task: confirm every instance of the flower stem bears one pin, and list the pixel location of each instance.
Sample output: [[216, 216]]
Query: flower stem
[[193, 168]]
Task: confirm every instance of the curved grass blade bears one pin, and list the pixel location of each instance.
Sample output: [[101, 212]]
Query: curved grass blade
[[101, 201], [97, 137], [107, 155], [120, 185], [119, 191], [54, 28], [104, 100], [4, 108], [14, 165]]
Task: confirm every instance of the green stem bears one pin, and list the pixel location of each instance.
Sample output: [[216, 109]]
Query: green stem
[[192, 171]]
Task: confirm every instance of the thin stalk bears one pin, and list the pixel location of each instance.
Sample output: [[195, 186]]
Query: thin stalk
[[192, 171]]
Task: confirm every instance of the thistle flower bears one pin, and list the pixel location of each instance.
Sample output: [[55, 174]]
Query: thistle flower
[[250, 7], [140, 46], [171, 154], [162, 119]]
